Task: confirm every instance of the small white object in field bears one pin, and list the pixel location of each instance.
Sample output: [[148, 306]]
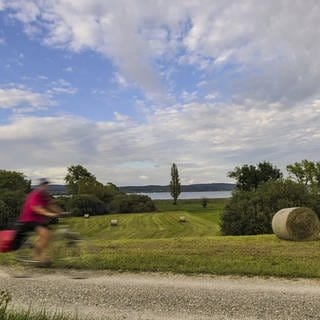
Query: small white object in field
[[182, 219], [114, 222], [86, 215]]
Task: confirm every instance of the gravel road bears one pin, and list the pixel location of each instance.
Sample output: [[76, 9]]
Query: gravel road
[[107, 295]]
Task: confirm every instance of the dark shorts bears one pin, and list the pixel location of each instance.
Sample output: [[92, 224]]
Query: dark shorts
[[23, 229]]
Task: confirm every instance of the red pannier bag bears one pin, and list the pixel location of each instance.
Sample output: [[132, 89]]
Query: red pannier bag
[[6, 240]]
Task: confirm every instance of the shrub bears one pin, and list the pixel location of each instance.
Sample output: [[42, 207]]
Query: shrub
[[79, 205], [204, 202], [5, 298], [141, 203], [251, 212], [120, 203], [123, 203], [5, 214], [14, 200], [62, 202]]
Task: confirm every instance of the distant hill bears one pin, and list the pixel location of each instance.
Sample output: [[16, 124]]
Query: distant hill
[[185, 188], [61, 189]]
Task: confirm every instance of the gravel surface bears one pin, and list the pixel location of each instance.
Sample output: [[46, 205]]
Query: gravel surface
[[108, 295]]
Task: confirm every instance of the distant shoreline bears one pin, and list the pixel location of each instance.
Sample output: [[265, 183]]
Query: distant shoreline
[[201, 187], [188, 195]]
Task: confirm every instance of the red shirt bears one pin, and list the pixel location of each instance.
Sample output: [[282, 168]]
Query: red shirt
[[35, 198]]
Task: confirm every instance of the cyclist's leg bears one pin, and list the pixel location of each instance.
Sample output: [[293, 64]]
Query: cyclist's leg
[[22, 230], [42, 242]]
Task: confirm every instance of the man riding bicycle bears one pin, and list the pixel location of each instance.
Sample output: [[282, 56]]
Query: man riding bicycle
[[35, 215]]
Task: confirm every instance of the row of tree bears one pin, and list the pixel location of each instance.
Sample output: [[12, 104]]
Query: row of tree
[[249, 177], [261, 191], [86, 196], [89, 196]]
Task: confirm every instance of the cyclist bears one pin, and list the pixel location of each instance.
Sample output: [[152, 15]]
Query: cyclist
[[35, 215]]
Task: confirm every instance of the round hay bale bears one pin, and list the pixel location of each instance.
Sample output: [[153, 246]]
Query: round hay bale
[[182, 219], [114, 222], [298, 224], [86, 215]]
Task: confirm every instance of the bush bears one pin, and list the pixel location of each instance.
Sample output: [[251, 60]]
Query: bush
[[204, 202], [61, 202], [251, 212], [14, 200], [5, 214], [123, 203], [79, 205]]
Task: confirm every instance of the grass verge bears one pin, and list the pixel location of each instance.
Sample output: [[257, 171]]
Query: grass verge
[[249, 255], [158, 242]]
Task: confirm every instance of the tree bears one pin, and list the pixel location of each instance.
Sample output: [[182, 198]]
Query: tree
[[251, 212], [13, 181], [123, 203], [204, 202], [175, 186], [81, 204], [307, 173], [4, 215], [76, 173], [103, 192], [13, 188], [250, 177]]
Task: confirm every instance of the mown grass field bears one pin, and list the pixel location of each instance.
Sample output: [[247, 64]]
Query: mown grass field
[[164, 223], [158, 242]]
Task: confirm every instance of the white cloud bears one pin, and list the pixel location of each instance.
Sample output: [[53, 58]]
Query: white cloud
[[68, 69], [205, 140], [210, 97], [21, 99], [120, 80], [189, 96], [261, 57], [15, 98], [273, 46], [61, 86], [121, 117]]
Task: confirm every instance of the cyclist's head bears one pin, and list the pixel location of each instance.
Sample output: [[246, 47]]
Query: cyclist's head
[[44, 183]]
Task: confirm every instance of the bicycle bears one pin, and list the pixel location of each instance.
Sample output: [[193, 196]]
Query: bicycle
[[65, 245]]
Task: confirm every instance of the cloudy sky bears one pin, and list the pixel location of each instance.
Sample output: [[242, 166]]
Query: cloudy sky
[[127, 87]]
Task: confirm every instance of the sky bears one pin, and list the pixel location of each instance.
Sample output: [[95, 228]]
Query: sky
[[128, 87]]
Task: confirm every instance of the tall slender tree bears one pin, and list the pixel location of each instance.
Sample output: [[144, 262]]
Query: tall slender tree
[[175, 186]]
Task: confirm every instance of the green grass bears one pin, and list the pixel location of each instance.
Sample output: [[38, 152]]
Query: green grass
[[25, 315], [9, 314], [157, 225], [146, 226], [250, 255], [158, 242]]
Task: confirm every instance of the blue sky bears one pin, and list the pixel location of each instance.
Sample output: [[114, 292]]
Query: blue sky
[[126, 88]]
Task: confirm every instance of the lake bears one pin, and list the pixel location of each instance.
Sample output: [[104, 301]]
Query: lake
[[190, 195]]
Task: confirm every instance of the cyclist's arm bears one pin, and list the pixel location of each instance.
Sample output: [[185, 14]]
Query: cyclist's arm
[[44, 212], [54, 208]]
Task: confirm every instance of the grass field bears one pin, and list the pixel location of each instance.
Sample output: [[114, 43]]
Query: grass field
[[164, 223], [158, 242]]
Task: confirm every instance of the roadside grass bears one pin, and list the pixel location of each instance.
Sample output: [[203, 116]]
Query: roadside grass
[[263, 255], [158, 242], [7, 313], [26, 315]]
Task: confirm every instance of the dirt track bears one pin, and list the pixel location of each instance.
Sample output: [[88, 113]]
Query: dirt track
[[107, 295]]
